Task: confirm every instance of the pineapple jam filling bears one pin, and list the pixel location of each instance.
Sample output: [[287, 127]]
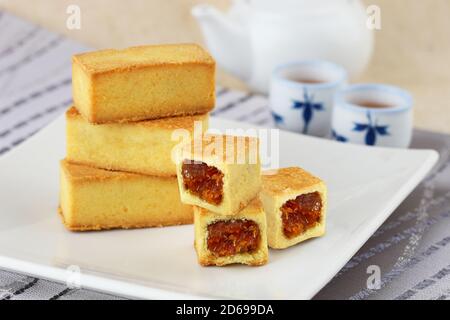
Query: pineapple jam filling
[[227, 238], [300, 214], [203, 181]]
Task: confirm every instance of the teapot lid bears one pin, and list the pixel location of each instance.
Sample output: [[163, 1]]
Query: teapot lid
[[296, 6]]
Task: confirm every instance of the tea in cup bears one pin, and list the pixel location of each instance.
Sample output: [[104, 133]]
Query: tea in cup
[[301, 95], [374, 115]]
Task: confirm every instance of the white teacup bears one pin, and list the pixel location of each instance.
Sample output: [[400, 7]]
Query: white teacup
[[373, 114], [301, 95]]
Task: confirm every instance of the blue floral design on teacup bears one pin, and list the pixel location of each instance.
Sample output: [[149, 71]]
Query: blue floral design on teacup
[[373, 114], [277, 118], [308, 107], [372, 129], [338, 137], [301, 95]]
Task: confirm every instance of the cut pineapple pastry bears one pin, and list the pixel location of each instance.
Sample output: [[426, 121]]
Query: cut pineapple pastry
[[220, 173], [96, 199], [295, 203], [141, 147], [240, 238], [145, 82]]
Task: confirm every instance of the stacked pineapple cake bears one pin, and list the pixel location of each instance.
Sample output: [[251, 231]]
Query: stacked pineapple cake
[[221, 177], [119, 172], [138, 155]]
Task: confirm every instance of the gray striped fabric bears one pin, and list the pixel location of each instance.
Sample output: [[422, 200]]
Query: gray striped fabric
[[412, 248]]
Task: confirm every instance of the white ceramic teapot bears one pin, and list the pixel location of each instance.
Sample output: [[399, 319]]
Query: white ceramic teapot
[[257, 35]]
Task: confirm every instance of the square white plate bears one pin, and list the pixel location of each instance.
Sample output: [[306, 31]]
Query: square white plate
[[365, 186]]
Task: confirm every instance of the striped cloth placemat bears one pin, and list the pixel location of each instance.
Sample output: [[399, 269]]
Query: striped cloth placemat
[[412, 248]]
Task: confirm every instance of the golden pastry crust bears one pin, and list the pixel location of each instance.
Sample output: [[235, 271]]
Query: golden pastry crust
[[80, 228], [110, 60], [143, 147], [207, 262], [253, 209], [143, 83], [241, 170], [202, 218], [223, 148], [172, 123], [80, 173], [96, 199], [280, 186], [93, 117], [280, 181]]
